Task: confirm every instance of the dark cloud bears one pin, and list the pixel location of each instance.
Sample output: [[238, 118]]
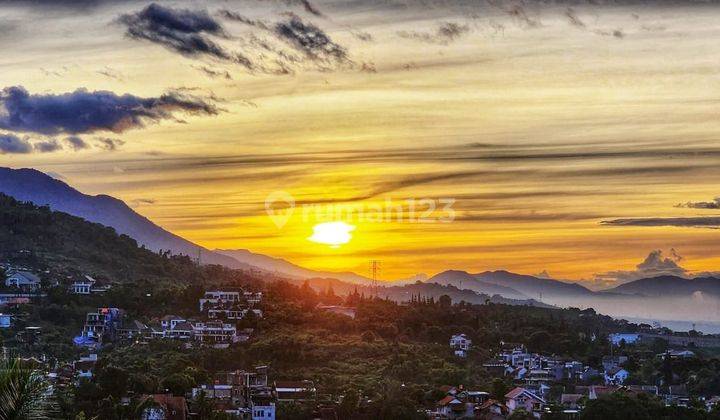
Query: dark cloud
[[76, 143], [109, 144], [182, 30], [710, 222], [446, 33], [312, 41], [237, 17], [83, 111], [573, 18], [712, 205], [11, 144], [111, 73], [363, 36], [655, 264], [142, 202], [213, 73], [305, 4], [47, 146]]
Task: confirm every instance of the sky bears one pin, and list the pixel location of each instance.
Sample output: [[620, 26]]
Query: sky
[[573, 139]]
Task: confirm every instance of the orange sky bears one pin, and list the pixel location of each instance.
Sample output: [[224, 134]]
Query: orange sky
[[541, 122]]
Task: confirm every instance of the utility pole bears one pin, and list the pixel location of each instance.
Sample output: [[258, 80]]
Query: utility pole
[[375, 270]]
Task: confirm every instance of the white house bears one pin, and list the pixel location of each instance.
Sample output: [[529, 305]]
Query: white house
[[460, 343], [522, 398], [616, 376], [169, 322], [214, 332], [24, 280]]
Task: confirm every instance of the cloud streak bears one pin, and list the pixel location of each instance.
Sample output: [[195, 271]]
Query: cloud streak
[[446, 33], [12, 144], [711, 222], [185, 31], [83, 111]]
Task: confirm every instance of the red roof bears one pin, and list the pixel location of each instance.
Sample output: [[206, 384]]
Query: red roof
[[176, 407], [515, 392]]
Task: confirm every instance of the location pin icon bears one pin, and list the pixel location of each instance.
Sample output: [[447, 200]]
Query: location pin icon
[[279, 214]]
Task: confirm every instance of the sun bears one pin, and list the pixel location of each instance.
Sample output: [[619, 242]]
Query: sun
[[332, 233]]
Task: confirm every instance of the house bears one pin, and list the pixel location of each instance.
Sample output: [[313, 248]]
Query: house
[[460, 343], [492, 410], [610, 362], [5, 320], [596, 391], [215, 297], [214, 332], [23, 280], [133, 330], [676, 395], [232, 313], [712, 402], [571, 401], [616, 376], [678, 354], [521, 398], [170, 321], [295, 391], [166, 407], [84, 367], [99, 326], [451, 407], [588, 374]]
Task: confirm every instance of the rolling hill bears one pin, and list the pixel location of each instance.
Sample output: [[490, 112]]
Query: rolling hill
[[532, 286], [667, 286], [465, 280]]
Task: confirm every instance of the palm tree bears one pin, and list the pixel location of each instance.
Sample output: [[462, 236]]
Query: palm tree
[[22, 391]]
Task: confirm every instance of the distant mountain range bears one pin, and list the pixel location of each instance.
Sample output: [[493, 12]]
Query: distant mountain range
[[666, 286], [635, 298], [510, 285]]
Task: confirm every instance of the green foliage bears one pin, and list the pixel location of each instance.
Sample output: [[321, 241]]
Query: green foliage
[[22, 390]]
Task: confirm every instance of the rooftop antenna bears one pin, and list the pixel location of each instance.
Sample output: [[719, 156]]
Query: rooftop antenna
[[375, 270]]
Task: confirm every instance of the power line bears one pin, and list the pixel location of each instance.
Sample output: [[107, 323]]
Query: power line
[[375, 271]]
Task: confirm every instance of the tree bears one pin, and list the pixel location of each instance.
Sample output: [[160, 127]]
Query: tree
[[22, 390], [178, 383], [521, 414], [499, 389]]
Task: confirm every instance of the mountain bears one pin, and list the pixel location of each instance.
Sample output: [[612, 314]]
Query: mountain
[[36, 187], [418, 290], [281, 266], [465, 280], [668, 286], [57, 244], [534, 286]]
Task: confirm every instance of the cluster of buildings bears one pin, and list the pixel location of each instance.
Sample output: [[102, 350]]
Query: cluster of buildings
[[536, 371], [249, 394], [221, 310]]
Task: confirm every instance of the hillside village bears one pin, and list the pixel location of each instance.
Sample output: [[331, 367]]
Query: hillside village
[[520, 382]]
